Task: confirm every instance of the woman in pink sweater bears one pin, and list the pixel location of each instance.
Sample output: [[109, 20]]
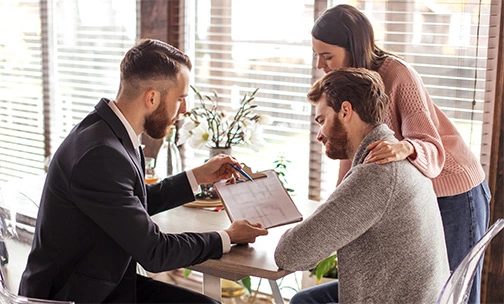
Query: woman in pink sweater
[[344, 37]]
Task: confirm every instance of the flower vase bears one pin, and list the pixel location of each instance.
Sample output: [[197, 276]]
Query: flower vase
[[217, 151], [168, 161], [207, 191]]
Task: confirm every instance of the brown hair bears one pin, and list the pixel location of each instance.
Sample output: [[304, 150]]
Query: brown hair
[[345, 26], [361, 87], [151, 59]]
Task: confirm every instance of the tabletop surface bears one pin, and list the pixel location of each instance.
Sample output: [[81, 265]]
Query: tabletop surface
[[255, 259]]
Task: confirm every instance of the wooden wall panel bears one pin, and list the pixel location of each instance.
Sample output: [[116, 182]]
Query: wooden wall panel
[[492, 290], [159, 19]]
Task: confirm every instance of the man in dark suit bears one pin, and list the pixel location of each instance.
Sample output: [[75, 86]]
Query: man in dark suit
[[94, 221]]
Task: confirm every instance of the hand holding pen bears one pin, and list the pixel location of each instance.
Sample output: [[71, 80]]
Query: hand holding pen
[[242, 172]]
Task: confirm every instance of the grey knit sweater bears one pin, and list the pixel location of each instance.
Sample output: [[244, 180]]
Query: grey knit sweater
[[384, 222]]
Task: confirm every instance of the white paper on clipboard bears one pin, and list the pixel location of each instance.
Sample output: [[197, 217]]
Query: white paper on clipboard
[[264, 201]]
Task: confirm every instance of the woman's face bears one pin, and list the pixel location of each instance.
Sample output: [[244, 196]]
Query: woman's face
[[330, 57]]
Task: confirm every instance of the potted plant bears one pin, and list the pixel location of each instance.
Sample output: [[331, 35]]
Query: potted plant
[[209, 125], [212, 127]]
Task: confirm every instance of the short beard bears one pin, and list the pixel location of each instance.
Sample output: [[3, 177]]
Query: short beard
[[157, 123], [337, 147]]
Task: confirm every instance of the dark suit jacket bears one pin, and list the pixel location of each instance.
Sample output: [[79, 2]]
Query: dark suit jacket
[[94, 219]]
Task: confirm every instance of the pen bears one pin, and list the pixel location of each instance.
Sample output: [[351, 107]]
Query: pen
[[242, 172]]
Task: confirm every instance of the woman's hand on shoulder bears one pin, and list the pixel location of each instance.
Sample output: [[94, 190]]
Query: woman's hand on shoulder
[[384, 151]]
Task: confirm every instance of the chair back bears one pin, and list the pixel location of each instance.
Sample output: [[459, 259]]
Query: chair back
[[15, 245], [458, 285]]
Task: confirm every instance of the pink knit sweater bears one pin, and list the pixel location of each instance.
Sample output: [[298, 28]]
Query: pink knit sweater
[[442, 154]]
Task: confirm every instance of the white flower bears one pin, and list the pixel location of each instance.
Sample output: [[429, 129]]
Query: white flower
[[264, 119], [200, 136], [215, 128], [184, 133], [254, 137], [247, 123]]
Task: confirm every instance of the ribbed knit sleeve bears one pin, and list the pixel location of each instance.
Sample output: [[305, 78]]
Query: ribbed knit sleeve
[[441, 153], [413, 117]]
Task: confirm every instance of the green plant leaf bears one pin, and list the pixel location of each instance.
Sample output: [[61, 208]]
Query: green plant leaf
[[187, 272], [246, 282], [324, 266]]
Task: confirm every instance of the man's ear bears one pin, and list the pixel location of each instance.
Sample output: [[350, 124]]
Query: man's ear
[[151, 99], [346, 110]]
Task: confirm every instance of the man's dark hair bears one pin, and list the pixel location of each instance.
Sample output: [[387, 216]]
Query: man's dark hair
[[151, 59], [361, 87]]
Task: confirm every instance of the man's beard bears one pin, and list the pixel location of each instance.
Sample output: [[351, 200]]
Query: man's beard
[[337, 144], [157, 123]]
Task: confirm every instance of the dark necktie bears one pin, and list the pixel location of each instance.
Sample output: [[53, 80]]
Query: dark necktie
[[142, 159]]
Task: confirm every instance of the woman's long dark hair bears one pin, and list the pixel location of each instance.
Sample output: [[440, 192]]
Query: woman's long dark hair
[[347, 27]]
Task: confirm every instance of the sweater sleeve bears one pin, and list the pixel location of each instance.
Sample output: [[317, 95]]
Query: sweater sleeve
[[340, 220], [413, 117]]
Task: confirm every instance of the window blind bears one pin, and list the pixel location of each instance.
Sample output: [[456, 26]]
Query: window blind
[[21, 119], [238, 46], [447, 42], [90, 46], [86, 46]]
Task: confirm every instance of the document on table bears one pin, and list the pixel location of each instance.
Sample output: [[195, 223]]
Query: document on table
[[264, 200]]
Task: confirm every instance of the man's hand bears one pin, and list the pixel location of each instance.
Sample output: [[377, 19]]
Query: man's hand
[[242, 231], [384, 151], [215, 169]]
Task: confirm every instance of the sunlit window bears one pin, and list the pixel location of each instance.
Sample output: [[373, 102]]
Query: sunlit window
[[236, 46]]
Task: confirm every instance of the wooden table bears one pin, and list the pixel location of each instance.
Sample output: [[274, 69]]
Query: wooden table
[[256, 259]]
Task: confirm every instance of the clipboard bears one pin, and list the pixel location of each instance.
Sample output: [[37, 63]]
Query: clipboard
[[265, 201]]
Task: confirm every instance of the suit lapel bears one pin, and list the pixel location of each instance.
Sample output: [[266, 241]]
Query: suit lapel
[[106, 113]]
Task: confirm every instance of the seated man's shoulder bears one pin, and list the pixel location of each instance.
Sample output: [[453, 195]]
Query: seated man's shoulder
[[370, 177], [400, 175], [411, 185], [407, 171], [373, 170]]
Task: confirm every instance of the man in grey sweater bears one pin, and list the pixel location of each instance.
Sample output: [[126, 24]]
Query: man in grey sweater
[[382, 220]]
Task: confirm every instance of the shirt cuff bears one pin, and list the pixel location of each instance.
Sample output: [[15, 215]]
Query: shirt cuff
[[192, 181], [226, 242]]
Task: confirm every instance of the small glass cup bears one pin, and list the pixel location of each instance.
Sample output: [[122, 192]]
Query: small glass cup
[[150, 172]]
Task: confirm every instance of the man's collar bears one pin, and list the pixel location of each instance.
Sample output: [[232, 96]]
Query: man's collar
[[381, 131], [135, 140]]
